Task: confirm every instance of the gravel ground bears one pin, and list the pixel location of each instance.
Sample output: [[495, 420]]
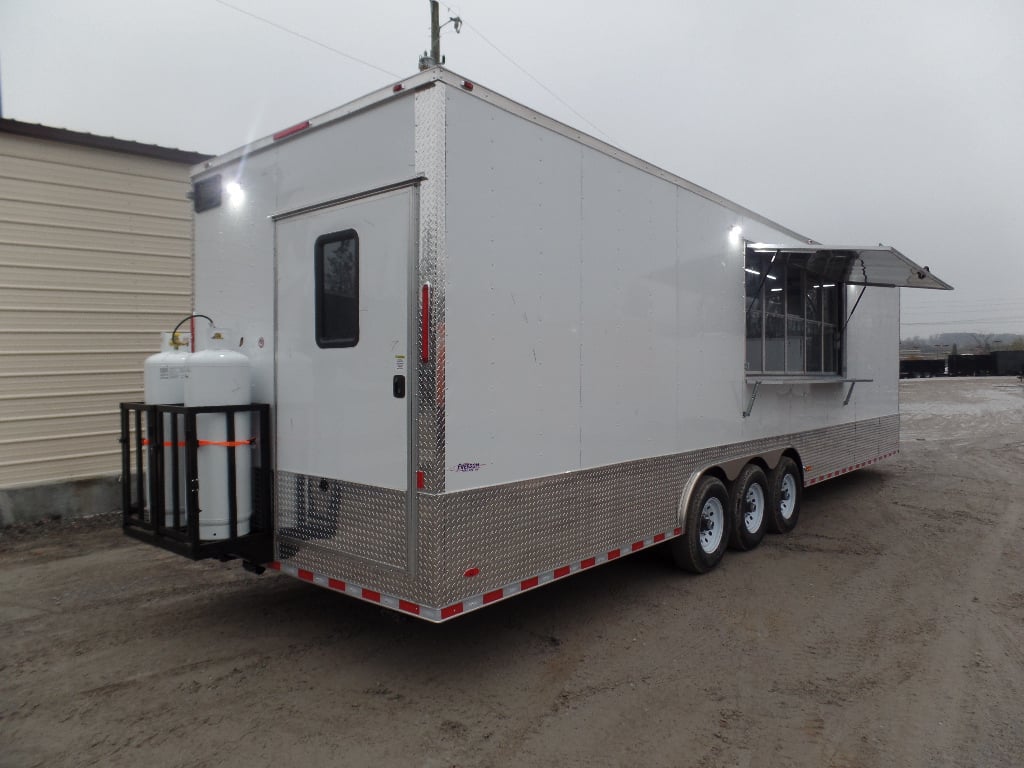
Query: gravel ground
[[886, 630]]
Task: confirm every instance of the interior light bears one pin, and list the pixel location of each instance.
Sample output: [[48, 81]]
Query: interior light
[[828, 285], [755, 272], [776, 290]]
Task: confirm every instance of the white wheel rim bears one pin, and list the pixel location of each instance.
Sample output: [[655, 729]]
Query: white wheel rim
[[712, 525], [787, 502], [753, 507]]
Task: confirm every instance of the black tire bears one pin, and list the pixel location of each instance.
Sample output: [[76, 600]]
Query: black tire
[[785, 487], [748, 507], [707, 513]]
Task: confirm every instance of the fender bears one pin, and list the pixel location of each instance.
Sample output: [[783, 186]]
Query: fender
[[731, 468]]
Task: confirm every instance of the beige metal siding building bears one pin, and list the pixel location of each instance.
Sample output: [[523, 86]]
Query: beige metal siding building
[[95, 261]]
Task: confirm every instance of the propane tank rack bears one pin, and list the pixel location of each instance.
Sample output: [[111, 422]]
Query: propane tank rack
[[155, 476]]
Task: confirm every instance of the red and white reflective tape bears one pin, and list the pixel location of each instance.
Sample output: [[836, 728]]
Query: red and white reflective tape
[[438, 615], [844, 470]]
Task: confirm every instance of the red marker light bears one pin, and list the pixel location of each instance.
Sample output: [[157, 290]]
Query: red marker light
[[397, 88], [421, 480], [291, 131], [470, 573], [467, 85]]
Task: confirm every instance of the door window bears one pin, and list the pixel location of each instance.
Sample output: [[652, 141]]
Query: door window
[[337, 289]]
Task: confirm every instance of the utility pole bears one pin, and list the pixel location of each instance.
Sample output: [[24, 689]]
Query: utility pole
[[434, 58], [435, 32]]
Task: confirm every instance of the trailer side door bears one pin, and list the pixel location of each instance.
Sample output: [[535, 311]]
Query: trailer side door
[[344, 399]]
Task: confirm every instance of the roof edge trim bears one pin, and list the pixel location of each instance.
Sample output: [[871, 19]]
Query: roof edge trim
[[79, 138]]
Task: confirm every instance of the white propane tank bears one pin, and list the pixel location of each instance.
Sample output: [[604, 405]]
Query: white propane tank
[[218, 375], [164, 384]]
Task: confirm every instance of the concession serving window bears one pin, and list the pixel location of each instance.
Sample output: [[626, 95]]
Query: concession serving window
[[796, 312]]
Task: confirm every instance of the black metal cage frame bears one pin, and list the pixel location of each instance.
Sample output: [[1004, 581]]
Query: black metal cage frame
[[143, 431]]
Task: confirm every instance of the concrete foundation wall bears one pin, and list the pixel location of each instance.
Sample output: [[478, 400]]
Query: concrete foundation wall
[[73, 498]]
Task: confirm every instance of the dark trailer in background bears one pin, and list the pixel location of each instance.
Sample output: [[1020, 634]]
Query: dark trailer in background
[[922, 369], [971, 365]]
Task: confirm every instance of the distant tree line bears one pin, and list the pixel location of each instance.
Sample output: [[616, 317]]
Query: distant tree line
[[961, 343]]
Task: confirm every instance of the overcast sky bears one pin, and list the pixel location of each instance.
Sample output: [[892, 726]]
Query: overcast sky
[[851, 121]]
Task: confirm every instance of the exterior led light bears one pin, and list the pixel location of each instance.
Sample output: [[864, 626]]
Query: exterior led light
[[236, 195], [734, 234]]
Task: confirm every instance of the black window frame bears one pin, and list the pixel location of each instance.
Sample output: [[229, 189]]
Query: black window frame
[[207, 194], [322, 339], [757, 315]]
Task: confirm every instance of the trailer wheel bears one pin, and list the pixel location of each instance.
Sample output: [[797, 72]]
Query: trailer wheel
[[703, 543], [748, 504], [785, 490]]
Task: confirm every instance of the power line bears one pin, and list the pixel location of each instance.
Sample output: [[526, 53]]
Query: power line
[[516, 64], [307, 38], [365, 63]]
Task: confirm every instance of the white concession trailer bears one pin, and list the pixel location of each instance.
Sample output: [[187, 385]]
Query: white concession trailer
[[488, 351]]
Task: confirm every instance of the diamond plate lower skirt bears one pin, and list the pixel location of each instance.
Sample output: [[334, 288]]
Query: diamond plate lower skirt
[[364, 535]]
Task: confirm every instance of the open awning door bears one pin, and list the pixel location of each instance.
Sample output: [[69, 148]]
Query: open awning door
[[856, 265]]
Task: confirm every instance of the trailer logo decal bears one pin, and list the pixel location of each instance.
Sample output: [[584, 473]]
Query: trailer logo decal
[[467, 466]]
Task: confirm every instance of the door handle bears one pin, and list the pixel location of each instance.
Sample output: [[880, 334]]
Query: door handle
[[398, 386]]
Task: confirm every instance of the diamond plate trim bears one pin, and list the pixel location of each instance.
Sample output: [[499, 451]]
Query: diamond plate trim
[[429, 145], [320, 518], [511, 531], [474, 543]]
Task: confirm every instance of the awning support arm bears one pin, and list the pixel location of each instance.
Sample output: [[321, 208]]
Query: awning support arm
[[753, 397], [850, 316], [852, 383], [761, 284], [849, 393]]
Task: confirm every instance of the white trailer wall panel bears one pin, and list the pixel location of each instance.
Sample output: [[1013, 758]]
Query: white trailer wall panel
[[512, 307], [237, 287], [628, 288], [95, 261], [628, 312]]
